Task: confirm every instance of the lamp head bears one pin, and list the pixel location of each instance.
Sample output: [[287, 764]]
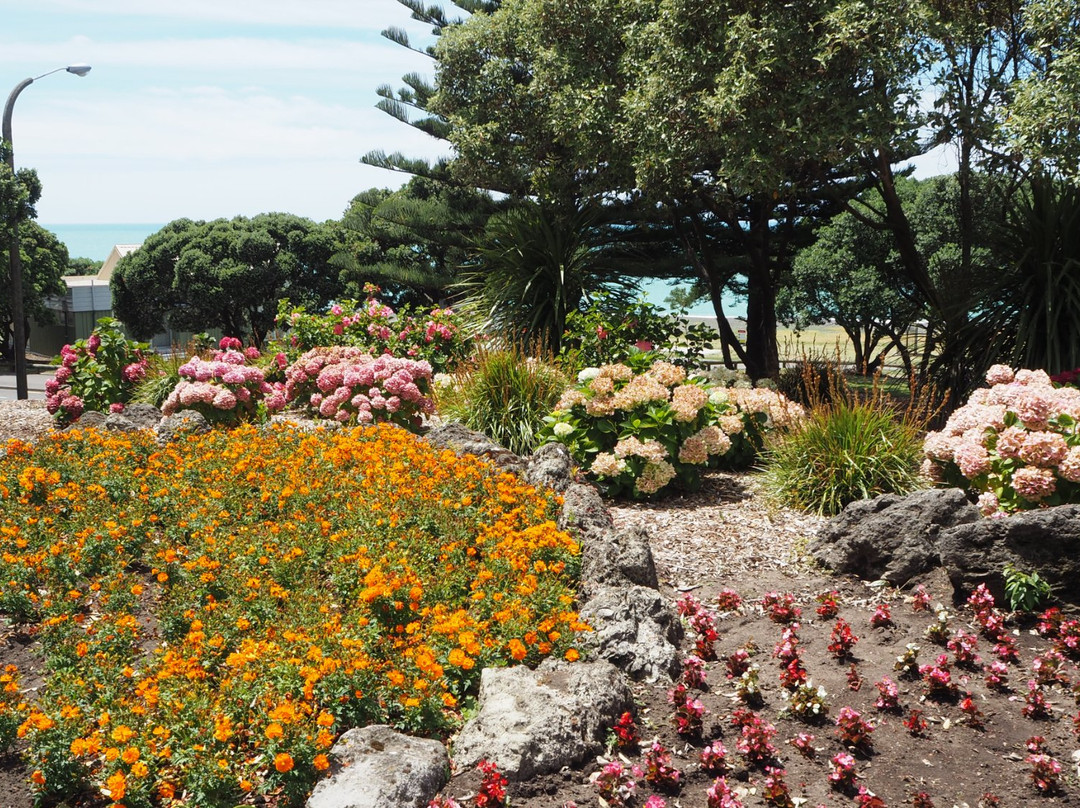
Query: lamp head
[[79, 70]]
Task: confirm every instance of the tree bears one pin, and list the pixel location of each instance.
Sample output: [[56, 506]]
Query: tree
[[411, 242], [535, 264], [83, 266], [44, 262], [731, 116], [1044, 121], [43, 256], [225, 274]]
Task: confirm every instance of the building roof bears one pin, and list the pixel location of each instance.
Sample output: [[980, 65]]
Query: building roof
[[118, 252]]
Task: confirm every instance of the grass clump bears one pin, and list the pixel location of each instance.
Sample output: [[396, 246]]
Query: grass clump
[[505, 394], [843, 452]]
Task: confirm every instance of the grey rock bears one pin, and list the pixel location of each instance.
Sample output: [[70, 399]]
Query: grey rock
[[91, 419], [618, 557], [635, 629], [376, 767], [141, 416], [892, 537], [550, 467], [462, 441], [583, 510], [1045, 541], [535, 722], [181, 423]]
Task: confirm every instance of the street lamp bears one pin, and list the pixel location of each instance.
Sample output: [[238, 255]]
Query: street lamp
[[17, 315]]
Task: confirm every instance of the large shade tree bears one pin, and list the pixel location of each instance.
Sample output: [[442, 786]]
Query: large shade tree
[[226, 274]]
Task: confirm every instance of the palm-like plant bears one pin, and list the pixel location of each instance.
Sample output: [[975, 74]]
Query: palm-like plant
[[536, 263]]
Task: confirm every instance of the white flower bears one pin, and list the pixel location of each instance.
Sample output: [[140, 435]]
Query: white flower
[[562, 429], [718, 395], [587, 374], [443, 380]]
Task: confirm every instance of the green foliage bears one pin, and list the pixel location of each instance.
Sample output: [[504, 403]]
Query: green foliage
[[609, 331], [435, 334], [843, 452], [505, 394], [533, 266], [639, 433], [410, 242], [82, 266], [162, 376], [1026, 591], [44, 261], [224, 274], [96, 373]]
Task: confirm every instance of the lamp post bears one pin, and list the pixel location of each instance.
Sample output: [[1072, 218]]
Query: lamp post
[[17, 316]]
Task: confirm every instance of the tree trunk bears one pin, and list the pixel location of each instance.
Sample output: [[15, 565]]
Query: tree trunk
[[762, 350]]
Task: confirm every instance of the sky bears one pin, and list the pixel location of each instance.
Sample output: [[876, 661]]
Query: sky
[[206, 108]]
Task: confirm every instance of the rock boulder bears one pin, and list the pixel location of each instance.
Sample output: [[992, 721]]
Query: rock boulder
[[376, 767], [1046, 541], [892, 537], [532, 722]]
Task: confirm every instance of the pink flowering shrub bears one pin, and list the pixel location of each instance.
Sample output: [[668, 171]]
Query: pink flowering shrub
[[97, 373], [1013, 443], [434, 335], [640, 433], [347, 385], [225, 389]]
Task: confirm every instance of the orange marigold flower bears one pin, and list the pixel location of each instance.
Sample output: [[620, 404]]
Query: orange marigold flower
[[38, 777], [325, 720], [517, 649], [321, 763], [122, 734], [283, 762], [116, 786], [274, 731], [166, 791], [130, 755], [572, 655]]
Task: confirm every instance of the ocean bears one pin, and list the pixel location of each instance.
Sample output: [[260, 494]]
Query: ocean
[[95, 241]]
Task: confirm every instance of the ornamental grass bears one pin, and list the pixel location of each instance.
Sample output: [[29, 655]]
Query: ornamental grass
[[215, 613]]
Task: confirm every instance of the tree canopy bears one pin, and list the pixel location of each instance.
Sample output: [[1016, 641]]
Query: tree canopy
[[226, 274]]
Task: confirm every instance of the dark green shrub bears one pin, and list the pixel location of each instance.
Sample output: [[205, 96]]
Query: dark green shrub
[[843, 452]]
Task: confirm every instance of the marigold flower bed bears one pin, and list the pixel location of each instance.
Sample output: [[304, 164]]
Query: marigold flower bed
[[215, 613]]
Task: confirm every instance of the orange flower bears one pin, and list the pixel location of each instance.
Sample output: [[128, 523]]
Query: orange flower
[[116, 786], [274, 731], [130, 755], [283, 762], [38, 777], [321, 763], [572, 655], [123, 734], [517, 649]]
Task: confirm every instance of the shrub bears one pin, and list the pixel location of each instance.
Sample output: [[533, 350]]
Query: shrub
[[842, 453], [638, 433], [505, 394], [224, 389], [1014, 444], [300, 584], [435, 335], [97, 373], [606, 334], [348, 385]]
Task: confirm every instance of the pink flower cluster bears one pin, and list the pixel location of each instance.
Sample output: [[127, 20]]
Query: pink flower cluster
[[225, 389], [1015, 436], [347, 385]]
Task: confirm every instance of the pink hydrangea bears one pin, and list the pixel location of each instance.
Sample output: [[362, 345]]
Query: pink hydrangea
[[1034, 484]]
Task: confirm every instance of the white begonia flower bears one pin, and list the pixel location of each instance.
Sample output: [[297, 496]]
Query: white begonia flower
[[588, 374], [562, 429]]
